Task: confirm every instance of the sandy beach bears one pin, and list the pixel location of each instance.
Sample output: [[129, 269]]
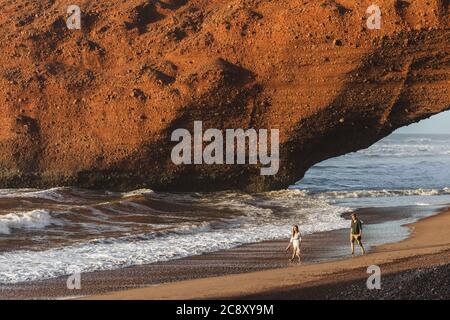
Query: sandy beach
[[262, 269], [414, 268]]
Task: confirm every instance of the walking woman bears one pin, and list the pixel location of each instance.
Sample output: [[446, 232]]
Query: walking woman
[[295, 243]]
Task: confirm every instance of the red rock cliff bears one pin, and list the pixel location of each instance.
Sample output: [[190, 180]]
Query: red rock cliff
[[96, 107]]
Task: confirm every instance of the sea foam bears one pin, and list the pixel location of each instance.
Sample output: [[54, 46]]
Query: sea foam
[[35, 219]]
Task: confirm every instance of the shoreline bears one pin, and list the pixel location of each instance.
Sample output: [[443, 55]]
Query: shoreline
[[317, 248], [427, 247]]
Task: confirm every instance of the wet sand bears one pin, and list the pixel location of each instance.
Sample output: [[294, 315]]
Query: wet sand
[[425, 253], [246, 260]]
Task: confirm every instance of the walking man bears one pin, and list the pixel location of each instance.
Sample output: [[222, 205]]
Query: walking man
[[356, 233]]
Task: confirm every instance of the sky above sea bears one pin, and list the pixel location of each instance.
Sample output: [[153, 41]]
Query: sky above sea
[[438, 124]]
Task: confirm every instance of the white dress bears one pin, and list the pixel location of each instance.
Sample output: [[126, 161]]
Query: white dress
[[295, 240]]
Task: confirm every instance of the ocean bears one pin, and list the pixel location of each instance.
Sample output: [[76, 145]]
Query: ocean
[[59, 231]]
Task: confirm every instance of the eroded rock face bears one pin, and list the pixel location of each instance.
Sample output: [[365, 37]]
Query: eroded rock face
[[96, 107]]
